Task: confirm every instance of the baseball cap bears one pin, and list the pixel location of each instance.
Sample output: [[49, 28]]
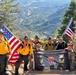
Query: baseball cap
[[36, 37], [25, 37], [49, 38]]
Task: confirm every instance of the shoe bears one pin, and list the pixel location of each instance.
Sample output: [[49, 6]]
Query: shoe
[[66, 70], [25, 72], [72, 69]]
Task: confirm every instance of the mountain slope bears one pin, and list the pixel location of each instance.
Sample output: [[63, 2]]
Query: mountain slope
[[39, 16]]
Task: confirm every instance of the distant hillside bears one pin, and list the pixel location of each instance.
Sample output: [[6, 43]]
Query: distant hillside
[[39, 16]]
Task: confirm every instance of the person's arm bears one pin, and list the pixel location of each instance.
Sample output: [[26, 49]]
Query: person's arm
[[45, 47], [42, 42]]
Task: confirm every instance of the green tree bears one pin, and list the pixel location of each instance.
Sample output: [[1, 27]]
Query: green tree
[[70, 12], [8, 12]]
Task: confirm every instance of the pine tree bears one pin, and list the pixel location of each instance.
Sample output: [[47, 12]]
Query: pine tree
[[70, 12], [8, 12]]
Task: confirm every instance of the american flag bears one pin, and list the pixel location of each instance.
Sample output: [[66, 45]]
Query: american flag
[[70, 29], [14, 43]]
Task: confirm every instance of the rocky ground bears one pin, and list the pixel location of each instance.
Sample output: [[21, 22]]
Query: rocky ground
[[10, 71]]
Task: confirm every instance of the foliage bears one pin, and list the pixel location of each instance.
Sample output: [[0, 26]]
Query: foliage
[[8, 12]]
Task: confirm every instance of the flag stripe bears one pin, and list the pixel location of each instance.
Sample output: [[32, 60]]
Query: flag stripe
[[16, 41], [16, 54], [68, 35], [12, 61], [11, 41], [14, 58], [14, 50], [69, 30]]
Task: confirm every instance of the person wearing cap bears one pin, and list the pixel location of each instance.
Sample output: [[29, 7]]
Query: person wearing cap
[[61, 44], [69, 57], [25, 53], [49, 45], [37, 40], [4, 49], [38, 60]]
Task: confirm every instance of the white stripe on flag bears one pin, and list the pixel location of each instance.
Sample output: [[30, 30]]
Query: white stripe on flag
[[14, 49], [13, 42], [15, 57], [13, 60], [10, 39], [69, 35], [69, 32]]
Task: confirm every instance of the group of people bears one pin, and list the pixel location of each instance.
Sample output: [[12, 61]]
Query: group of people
[[26, 51]]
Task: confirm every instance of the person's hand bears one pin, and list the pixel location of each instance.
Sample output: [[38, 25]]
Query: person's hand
[[8, 55]]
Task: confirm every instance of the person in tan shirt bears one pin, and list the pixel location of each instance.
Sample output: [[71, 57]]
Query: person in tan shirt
[[49, 45], [38, 41]]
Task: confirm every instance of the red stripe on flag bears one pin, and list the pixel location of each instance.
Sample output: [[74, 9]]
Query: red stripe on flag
[[17, 48], [10, 42], [68, 35], [16, 54], [14, 58], [14, 44], [13, 61], [12, 54], [70, 30]]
